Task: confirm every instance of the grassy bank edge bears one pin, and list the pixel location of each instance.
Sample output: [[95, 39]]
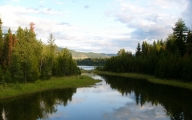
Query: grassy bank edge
[[13, 90], [149, 78]]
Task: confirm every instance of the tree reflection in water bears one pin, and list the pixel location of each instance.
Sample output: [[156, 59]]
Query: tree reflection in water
[[36, 106], [176, 101]]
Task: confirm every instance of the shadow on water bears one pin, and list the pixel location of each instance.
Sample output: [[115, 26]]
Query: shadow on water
[[176, 101], [35, 106]]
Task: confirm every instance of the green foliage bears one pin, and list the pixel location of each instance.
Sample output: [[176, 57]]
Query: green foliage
[[152, 79], [179, 32], [24, 59], [24, 63], [169, 59], [138, 52], [121, 52], [1, 41], [189, 43], [84, 55], [65, 65], [91, 61], [17, 89]]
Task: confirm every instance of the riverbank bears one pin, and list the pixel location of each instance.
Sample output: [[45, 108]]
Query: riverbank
[[13, 90], [149, 78]]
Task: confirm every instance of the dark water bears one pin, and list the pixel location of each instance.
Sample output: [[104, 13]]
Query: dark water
[[115, 98]]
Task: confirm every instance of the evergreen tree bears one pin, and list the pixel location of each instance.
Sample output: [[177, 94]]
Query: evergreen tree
[[171, 43], [121, 52], [24, 66], [64, 65], [145, 48], [23, 58], [180, 31], [47, 59], [189, 43], [169, 59], [1, 42], [7, 49], [138, 51]]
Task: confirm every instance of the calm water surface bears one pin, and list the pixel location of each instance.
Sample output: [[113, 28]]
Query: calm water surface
[[115, 98], [87, 67]]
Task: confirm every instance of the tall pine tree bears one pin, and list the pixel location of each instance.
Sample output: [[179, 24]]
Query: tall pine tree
[[180, 31], [1, 42]]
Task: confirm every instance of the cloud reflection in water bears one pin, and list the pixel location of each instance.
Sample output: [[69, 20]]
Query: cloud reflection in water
[[132, 112]]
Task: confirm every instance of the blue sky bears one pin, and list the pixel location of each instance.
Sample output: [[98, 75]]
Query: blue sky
[[102, 26]]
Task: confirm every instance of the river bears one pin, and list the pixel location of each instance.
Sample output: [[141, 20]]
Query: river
[[115, 98], [87, 67]]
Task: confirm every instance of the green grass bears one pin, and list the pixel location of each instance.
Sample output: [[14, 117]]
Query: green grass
[[149, 78], [12, 90]]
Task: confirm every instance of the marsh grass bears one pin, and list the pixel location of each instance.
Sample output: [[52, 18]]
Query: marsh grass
[[17, 89], [149, 78]]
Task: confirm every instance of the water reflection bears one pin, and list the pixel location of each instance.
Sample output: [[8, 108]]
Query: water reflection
[[115, 98], [87, 67], [132, 112], [176, 101], [36, 106]]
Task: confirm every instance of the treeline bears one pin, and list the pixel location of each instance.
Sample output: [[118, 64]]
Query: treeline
[[91, 61], [170, 59], [23, 58]]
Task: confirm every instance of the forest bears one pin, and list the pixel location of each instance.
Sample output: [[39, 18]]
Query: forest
[[167, 59], [91, 61], [24, 58]]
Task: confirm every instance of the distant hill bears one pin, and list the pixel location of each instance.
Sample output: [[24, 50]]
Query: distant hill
[[83, 55], [110, 55]]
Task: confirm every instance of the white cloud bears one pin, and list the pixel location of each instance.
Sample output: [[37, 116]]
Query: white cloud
[[187, 14], [135, 112], [20, 16], [73, 37], [77, 100], [132, 23], [151, 19]]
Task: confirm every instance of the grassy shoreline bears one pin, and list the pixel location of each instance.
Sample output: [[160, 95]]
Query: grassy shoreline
[[13, 90], [150, 79]]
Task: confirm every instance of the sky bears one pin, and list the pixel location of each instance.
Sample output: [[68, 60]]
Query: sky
[[101, 26]]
